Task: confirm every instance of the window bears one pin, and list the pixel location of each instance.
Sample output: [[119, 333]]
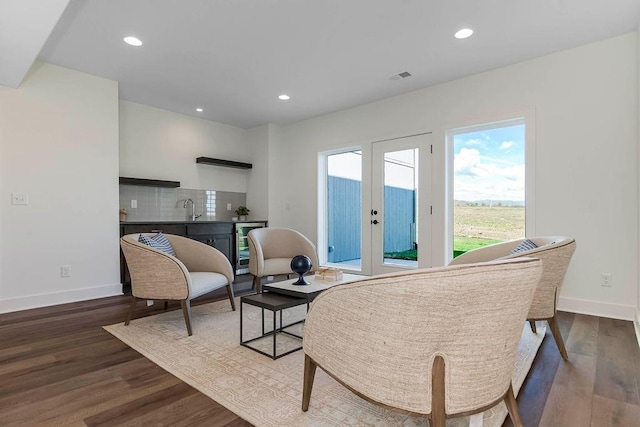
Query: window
[[400, 241], [210, 203], [488, 184], [341, 238]]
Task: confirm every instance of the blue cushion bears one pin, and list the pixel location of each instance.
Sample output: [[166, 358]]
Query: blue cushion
[[159, 242], [525, 245]]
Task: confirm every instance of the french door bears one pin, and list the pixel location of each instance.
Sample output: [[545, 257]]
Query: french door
[[400, 223]]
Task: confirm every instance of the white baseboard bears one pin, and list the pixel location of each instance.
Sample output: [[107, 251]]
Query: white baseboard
[[597, 308], [55, 298]]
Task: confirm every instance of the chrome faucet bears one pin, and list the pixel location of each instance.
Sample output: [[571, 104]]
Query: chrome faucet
[[193, 209]]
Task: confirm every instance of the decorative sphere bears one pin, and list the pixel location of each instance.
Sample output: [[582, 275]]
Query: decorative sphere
[[300, 264]]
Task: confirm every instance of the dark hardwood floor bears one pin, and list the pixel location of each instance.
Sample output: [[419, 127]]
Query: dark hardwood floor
[[59, 367]]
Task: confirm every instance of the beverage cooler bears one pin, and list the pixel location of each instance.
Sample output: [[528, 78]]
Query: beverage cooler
[[242, 229]]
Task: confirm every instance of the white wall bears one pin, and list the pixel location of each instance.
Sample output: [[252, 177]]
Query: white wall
[[258, 179], [159, 144], [58, 144], [637, 318], [586, 114]]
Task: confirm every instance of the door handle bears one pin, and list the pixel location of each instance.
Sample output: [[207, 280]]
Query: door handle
[[374, 222]]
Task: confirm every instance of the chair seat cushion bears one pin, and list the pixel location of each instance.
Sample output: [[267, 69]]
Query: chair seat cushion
[[203, 282], [275, 266]]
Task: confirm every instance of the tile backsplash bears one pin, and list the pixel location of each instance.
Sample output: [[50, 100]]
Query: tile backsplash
[[167, 204]]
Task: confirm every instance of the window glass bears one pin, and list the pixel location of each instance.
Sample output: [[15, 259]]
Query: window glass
[[488, 185]]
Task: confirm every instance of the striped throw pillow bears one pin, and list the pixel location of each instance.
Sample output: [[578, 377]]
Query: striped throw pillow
[[159, 242], [525, 245]]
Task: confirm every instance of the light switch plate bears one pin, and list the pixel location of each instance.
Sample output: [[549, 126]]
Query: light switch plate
[[19, 199], [134, 204], [228, 206]]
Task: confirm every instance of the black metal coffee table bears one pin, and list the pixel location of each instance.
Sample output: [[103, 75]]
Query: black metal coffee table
[[274, 303], [278, 296]]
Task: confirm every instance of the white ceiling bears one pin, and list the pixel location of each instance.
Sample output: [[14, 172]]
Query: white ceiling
[[234, 57], [24, 27]]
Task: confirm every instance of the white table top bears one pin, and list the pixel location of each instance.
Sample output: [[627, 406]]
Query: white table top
[[314, 286]]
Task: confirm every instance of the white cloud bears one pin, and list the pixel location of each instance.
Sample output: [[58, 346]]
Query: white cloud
[[470, 189], [466, 160], [478, 177], [506, 145]]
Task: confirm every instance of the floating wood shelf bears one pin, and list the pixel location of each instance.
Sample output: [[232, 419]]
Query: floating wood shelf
[[149, 182], [221, 162]]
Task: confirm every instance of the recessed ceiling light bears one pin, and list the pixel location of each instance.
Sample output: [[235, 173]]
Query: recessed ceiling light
[[199, 110], [284, 97], [133, 41], [463, 33]]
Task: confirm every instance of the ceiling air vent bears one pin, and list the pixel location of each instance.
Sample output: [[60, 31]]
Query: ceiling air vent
[[402, 75]]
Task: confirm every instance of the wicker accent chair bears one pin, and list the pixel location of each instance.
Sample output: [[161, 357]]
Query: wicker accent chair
[[437, 342], [555, 253], [195, 270], [271, 250]]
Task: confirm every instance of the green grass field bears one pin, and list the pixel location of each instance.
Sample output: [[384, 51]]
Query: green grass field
[[477, 226]]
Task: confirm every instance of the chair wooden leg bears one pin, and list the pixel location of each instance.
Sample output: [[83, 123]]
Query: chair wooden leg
[[231, 296], [256, 284], [532, 323], [132, 308], [186, 310], [558, 337], [512, 407], [309, 375], [438, 414]]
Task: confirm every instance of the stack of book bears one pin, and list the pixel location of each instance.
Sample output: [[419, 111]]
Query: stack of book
[[328, 274]]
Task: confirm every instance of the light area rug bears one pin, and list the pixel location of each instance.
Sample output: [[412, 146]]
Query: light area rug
[[268, 392]]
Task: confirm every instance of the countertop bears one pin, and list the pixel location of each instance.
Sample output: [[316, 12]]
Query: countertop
[[190, 222]]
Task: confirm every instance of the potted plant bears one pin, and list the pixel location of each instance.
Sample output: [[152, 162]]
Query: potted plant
[[242, 213]]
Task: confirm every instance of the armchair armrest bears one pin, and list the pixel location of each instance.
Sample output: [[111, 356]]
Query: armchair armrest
[[154, 274], [256, 257]]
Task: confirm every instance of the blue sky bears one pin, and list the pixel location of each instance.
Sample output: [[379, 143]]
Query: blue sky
[[489, 164]]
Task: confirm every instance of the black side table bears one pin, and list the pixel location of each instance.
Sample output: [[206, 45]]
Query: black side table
[[274, 303]]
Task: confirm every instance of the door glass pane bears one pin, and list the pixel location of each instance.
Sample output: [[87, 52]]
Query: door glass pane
[[344, 212], [489, 186], [400, 245]]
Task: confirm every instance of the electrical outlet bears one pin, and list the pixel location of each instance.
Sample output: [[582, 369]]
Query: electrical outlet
[[269, 278], [228, 206], [19, 199], [65, 271], [149, 302], [606, 280], [134, 204]]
